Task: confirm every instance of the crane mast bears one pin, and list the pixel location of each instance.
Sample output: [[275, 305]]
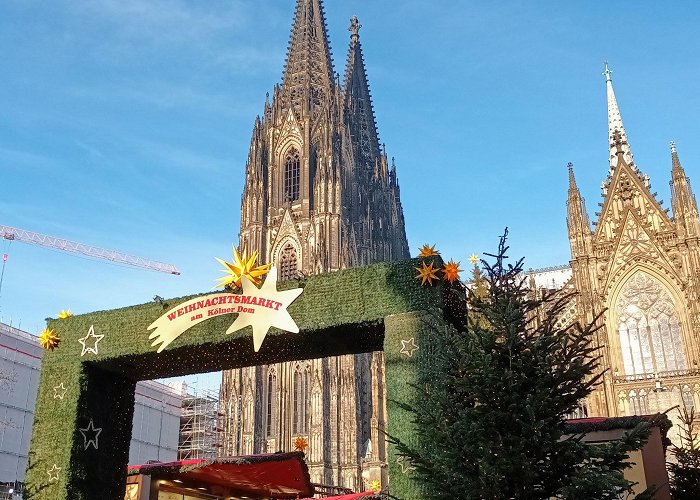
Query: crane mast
[[15, 234]]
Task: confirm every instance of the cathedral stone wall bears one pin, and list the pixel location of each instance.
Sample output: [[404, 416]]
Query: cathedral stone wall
[[320, 195], [640, 264]]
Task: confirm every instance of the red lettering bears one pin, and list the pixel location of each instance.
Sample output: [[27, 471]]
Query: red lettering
[[171, 316]]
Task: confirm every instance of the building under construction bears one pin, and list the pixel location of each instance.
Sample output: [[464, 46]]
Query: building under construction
[[199, 425]]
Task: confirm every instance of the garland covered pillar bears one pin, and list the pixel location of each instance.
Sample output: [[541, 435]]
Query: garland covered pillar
[[404, 351]]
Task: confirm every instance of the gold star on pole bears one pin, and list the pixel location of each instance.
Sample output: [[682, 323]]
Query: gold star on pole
[[428, 251], [242, 266], [450, 271], [473, 258], [49, 340], [426, 273], [265, 317]]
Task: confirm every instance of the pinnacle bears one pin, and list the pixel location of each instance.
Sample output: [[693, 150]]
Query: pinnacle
[[572, 179], [675, 162]]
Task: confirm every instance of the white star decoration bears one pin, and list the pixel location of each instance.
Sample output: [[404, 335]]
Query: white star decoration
[[408, 347], [404, 464], [59, 391], [53, 473], [265, 317], [92, 430], [90, 345]]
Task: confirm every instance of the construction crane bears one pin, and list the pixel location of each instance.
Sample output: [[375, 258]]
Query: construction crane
[[15, 234]]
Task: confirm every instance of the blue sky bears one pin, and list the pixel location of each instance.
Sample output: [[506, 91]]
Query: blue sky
[[126, 124]]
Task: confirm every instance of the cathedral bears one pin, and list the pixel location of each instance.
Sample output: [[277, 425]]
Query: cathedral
[[639, 266], [320, 195]]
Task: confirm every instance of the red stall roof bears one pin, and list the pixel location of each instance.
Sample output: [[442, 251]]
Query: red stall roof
[[347, 497], [274, 474]]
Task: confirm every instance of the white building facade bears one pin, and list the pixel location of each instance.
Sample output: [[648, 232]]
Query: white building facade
[[156, 421]]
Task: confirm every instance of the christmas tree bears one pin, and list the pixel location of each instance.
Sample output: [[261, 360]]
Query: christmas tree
[[685, 472], [492, 400]]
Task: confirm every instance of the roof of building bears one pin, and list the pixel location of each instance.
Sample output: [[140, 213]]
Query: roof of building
[[596, 424], [274, 474]]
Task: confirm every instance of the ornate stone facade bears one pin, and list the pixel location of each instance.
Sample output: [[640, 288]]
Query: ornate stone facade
[[641, 266], [320, 195]]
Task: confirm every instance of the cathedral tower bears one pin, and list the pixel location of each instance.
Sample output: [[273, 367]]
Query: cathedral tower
[[320, 195], [641, 266]]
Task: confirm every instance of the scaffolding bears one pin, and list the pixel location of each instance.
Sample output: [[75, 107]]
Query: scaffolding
[[199, 426]]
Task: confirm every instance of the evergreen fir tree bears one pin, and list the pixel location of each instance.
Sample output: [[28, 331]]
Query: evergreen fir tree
[[492, 401], [479, 289], [685, 472]]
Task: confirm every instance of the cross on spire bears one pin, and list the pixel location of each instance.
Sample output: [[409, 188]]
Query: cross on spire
[[607, 72]]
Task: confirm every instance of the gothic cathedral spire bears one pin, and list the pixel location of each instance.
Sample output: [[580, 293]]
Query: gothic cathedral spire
[[358, 100], [615, 123], [577, 218], [685, 208], [308, 72]]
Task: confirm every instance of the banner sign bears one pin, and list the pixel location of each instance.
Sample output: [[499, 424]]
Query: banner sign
[[260, 308]]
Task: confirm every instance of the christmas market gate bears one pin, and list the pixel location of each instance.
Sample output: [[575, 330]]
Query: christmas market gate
[[85, 403]]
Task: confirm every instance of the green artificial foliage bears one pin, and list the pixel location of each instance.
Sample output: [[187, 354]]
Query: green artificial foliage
[[684, 471], [372, 308], [492, 397]]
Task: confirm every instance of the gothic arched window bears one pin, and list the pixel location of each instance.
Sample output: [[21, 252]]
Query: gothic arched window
[[271, 403], [292, 168], [649, 327], [288, 263], [301, 400]]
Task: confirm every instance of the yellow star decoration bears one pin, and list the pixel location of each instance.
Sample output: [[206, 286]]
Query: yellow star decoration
[[242, 266], [264, 318], [375, 486], [428, 251], [450, 271], [473, 258], [300, 444], [426, 273], [65, 314], [49, 340]]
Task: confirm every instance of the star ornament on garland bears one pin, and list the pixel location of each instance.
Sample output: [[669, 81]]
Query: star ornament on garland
[[65, 314], [426, 273], [300, 444], [406, 465], [90, 435], [473, 258], [263, 318], [49, 340], [450, 271], [89, 342], [59, 392], [428, 251], [408, 347], [53, 473], [242, 266]]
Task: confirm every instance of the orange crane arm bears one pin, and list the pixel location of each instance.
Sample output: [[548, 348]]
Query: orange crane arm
[[15, 234]]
